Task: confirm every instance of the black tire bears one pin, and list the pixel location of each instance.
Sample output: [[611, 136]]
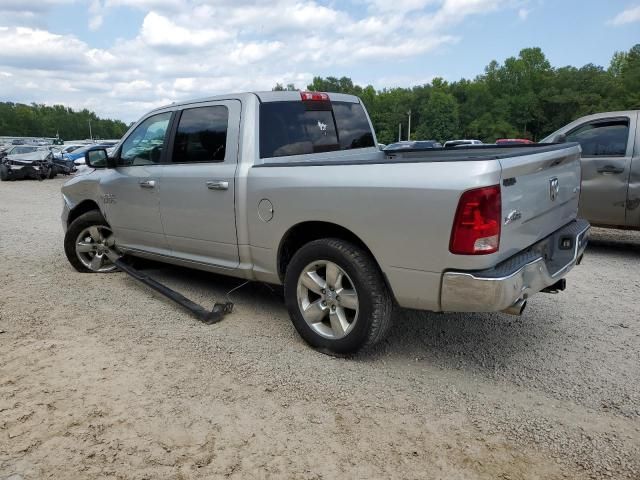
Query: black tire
[[5, 173], [93, 217], [375, 303], [52, 173]]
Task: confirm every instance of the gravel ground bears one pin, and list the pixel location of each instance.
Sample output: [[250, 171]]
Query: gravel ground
[[99, 377]]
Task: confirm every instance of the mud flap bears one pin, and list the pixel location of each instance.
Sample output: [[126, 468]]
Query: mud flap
[[208, 317]]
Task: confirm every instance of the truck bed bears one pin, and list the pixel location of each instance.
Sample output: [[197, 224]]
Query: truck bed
[[402, 206], [475, 152], [425, 155]]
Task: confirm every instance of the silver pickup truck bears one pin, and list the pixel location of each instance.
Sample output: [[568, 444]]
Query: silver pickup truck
[[610, 167], [290, 188]]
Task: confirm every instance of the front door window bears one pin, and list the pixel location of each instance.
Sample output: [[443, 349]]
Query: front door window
[[144, 145]]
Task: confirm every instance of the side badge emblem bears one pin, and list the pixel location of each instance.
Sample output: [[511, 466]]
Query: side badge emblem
[[512, 217]]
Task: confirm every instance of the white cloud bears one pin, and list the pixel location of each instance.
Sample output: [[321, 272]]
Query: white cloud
[[196, 48], [399, 5], [35, 48], [39, 6], [172, 5], [95, 15], [523, 13], [19, 12], [630, 15], [160, 31]]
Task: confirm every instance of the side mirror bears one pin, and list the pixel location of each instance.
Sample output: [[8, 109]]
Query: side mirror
[[560, 138], [96, 158]]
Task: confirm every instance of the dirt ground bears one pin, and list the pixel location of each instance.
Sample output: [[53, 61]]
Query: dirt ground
[[101, 378]]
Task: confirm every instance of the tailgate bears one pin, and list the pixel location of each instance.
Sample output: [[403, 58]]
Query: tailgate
[[540, 194]]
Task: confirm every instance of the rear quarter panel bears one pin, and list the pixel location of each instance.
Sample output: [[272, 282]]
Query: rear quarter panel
[[403, 212]]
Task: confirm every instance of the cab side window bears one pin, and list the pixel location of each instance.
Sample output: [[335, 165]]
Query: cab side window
[[144, 145], [202, 135], [296, 128], [605, 138]]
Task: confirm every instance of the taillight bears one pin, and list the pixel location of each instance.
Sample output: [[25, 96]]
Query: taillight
[[314, 96], [476, 227]]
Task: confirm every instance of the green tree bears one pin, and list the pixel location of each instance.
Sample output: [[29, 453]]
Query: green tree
[[279, 87], [439, 117], [46, 121]]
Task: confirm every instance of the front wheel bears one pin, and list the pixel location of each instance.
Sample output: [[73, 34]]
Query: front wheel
[[5, 173], [336, 296], [87, 242]]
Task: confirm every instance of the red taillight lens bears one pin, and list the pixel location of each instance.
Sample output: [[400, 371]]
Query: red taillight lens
[[314, 96], [476, 227]]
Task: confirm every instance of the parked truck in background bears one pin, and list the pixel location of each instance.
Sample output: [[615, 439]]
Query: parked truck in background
[[290, 188], [610, 144]]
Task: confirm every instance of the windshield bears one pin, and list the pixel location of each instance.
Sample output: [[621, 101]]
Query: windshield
[[17, 150]]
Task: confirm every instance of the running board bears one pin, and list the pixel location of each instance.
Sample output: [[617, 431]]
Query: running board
[[205, 316]]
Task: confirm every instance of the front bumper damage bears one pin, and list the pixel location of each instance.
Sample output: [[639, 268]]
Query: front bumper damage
[[507, 286], [20, 169]]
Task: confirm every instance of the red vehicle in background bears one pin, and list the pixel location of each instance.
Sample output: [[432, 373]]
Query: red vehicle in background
[[509, 141]]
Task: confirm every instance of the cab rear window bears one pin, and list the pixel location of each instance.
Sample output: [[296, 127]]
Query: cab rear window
[[298, 128]]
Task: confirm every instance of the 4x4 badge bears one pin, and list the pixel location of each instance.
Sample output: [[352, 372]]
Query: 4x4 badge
[[554, 188]]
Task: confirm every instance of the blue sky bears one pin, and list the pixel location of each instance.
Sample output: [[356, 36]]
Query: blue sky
[[122, 57]]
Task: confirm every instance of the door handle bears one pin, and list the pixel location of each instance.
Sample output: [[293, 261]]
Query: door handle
[[147, 183], [610, 169], [217, 185]]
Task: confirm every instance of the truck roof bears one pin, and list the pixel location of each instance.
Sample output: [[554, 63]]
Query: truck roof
[[265, 96]]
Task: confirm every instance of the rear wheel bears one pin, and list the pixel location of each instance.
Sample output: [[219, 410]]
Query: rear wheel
[[87, 242], [336, 296]]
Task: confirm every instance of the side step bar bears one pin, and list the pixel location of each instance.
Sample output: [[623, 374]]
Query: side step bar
[[209, 318]]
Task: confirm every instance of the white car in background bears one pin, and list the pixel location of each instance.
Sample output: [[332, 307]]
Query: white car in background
[[82, 166], [465, 142]]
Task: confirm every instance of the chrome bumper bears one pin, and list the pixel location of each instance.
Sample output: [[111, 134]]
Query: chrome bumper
[[517, 278]]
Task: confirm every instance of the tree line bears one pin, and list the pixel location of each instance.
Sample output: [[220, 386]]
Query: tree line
[[524, 97], [20, 120]]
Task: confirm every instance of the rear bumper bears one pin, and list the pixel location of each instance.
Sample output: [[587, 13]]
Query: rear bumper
[[516, 279]]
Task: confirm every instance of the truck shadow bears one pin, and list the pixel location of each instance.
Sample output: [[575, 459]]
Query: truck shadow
[[607, 241], [463, 340], [616, 247], [460, 340], [493, 345]]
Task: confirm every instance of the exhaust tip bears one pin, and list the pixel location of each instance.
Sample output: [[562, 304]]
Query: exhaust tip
[[517, 308]]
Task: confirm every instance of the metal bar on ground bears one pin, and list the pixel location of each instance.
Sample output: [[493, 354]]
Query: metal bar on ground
[[209, 317]]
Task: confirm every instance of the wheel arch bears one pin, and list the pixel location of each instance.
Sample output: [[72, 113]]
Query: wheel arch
[[82, 208], [302, 233]]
